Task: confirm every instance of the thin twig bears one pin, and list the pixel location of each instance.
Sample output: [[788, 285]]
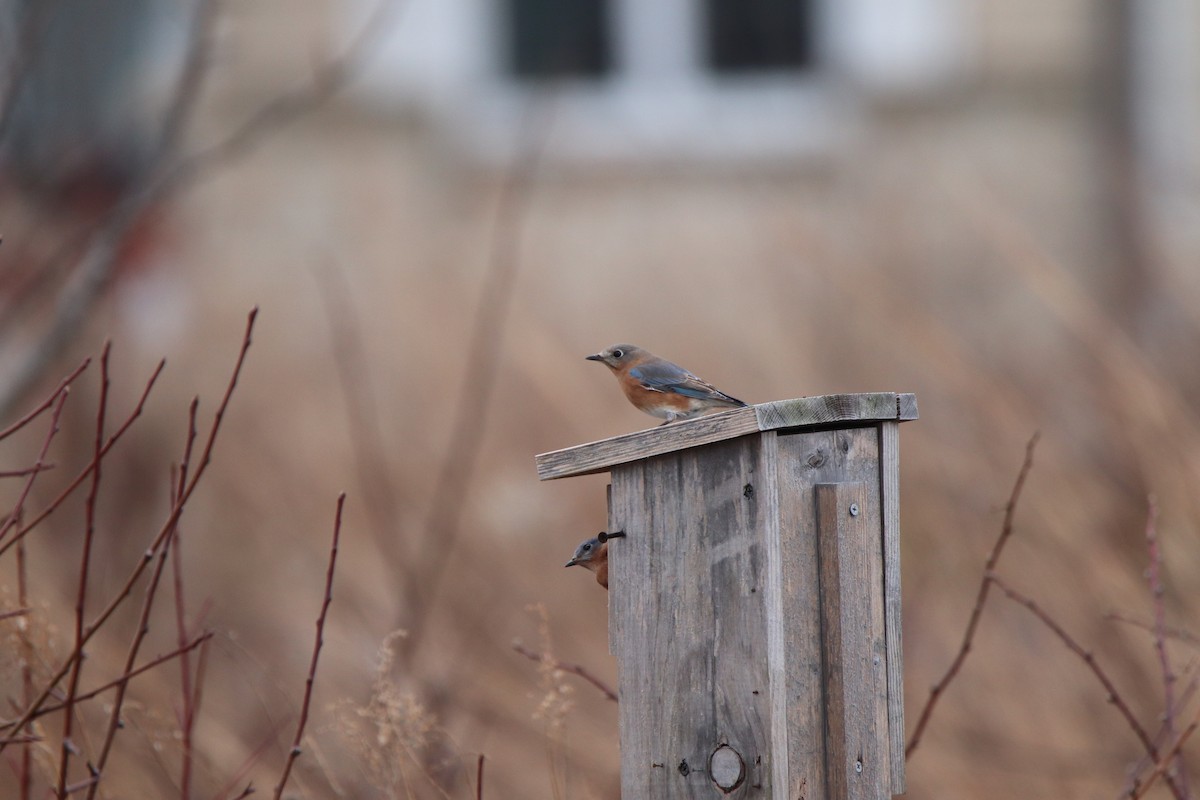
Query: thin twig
[[479, 778], [563, 666], [1178, 634], [126, 677], [187, 711], [89, 536], [79, 479], [294, 753], [1170, 754], [25, 770], [267, 741], [14, 612], [1089, 659], [87, 783], [19, 507], [21, 473], [23, 739], [164, 532], [143, 626], [49, 401], [1154, 583], [1006, 529]]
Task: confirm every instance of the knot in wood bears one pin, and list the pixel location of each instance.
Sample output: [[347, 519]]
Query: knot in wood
[[726, 768]]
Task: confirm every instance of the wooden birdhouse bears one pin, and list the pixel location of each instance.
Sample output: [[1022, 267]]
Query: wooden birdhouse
[[754, 603]]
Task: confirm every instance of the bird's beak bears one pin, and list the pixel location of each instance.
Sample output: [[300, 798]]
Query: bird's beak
[[595, 357], [571, 563]]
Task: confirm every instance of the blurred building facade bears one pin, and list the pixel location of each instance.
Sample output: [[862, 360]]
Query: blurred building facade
[[1102, 98], [707, 79]]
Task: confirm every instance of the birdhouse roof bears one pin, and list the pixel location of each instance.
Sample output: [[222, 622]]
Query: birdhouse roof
[[804, 413]]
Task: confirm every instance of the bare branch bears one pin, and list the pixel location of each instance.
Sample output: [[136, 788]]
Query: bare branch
[[125, 677], [1112, 694], [1178, 634], [79, 479], [563, 666], [1154, 583], [89, 535], [18, 509], [1006, 530], [294, 753], [14, 612], [1174, 751], [159, 539], [21, 473], [49, 401]]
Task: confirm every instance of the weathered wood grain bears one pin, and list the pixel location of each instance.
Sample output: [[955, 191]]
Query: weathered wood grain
[[807, 412], [858, 765], [755, 620], [688, 624], [605, 454], [800, 413], [805, 460], [889, 479]]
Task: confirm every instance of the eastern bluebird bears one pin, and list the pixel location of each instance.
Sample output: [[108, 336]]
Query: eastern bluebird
[[660, 388], [593, 555]]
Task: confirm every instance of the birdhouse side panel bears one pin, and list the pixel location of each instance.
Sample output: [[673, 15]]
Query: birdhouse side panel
[[688, 622], [805, 461]]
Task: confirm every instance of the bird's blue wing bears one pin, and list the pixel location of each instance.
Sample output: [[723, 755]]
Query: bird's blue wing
[[663, 376]]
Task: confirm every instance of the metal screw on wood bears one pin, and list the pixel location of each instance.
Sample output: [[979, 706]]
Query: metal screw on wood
[[854, 509]]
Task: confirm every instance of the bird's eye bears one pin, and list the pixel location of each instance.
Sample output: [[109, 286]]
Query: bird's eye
[[618, 353], [587, 547]]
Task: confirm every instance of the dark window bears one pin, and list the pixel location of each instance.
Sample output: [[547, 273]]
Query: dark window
[[552, 38], [754, 35]]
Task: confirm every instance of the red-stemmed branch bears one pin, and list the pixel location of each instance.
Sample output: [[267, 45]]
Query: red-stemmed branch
[[189, 694], [159, 539], [89, 536], [1006, 529], [1173, 751], [83, 475], [39, 409], [25, 769], [1089, 660], [294, 753], [127, 676], [564, 666], [18, 509]]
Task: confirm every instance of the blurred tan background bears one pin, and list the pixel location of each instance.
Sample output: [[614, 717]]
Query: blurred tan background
[[994, 205]]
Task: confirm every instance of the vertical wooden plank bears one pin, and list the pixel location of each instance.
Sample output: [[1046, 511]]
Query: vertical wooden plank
[[857, 752], [889, 479], [687, 588], [766, 493], [804, 460]]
